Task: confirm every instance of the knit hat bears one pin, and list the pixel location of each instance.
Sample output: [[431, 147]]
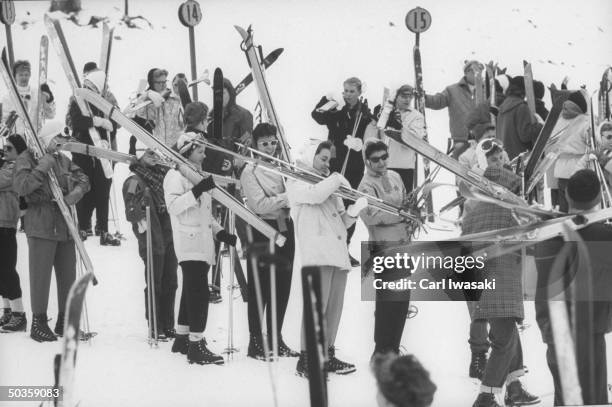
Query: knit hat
[[517, 82], [502, 82], [307, 153], [583, 186], [186, 142], [503, 177], [538, 89], [405, 90], [18, 142], [52, 129], [481, 151], [468, 64], [195, 113], [578, 99], [21, 64], [97, 79]]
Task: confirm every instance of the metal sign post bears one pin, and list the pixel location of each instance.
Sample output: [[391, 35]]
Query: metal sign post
[[7, 16], [190, 15]]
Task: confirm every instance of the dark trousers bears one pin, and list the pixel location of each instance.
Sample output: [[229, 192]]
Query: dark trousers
[[478, 336], [44, 256], [193, 309], [284, 273], [390, 319], [595, 388], [164, 275], [10, 288], [506, 351], [407, 176], [96, 198], [562, 200]]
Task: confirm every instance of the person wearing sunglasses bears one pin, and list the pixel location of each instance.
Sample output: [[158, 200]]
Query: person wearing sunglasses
[[604, 151], [22, 74], [50, 244], [164, 115], [266, 196], [13, 319], [391, 305]]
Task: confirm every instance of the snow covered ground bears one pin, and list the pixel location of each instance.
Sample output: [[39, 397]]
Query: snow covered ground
[[325, 42]]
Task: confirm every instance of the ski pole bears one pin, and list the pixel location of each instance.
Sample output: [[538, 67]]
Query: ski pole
[[85, 314], [151, 281], [230, 331], [273, 304]]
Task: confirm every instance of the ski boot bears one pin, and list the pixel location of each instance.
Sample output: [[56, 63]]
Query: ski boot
[[40, 330], [478, 365], [6, 316], [18, 323], [335, 365], [517, 396], [181, 344], [285, 351], [486, 400], [200, 354], [256, 349], [106, 239], [215, 297], [301, 369]]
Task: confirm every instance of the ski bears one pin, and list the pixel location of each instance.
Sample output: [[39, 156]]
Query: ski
[[193, 173], [269, 60], [105, 52], [605, 87], [43, 61], [265, 97], [56, 33], [419, 104], [529, 93], [479, 88], [490, 76], [425, 149], [72, 322], [202, 78], [183, 92], [218, 104], [547, 130], [39, 150]]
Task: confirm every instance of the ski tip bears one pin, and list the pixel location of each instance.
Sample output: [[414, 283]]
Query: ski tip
[[218, 72], [241, 30]]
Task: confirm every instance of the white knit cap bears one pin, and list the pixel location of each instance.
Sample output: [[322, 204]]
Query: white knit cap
[[186, 141], [52, 129], [97, 79]]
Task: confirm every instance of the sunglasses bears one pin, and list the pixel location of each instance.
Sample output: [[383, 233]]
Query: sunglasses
[[375, 160], [607, 136], [267, 143], [489, 144]]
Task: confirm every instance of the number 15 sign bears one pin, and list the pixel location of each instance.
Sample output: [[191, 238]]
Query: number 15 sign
[[418, 20]]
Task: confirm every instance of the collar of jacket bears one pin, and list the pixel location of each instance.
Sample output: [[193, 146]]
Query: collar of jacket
[[510, 103], [463, 83]]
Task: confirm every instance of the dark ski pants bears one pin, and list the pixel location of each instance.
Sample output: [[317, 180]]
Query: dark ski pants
[[506, 353], [595, 389], [164, 275], [283, 282], [390, 319], [479, 332], [193, 309], [10, 288], [333, 284], [562, 200], [44, 256], [407, 176], [96, 198]]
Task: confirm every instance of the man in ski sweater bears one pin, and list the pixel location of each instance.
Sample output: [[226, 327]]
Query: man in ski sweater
[[22, 74], [460, 98], [591, 287]]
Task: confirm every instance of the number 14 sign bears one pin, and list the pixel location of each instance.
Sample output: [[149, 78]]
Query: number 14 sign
[[418, 20]]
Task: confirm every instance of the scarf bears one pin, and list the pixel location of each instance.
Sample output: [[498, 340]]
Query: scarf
[[153, 178]]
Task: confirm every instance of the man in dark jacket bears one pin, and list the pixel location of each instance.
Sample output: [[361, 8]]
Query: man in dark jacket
[[145, 187], [237, 121], [50, 244], [340, 124], [593, 298], [460, 99], [516, 127]]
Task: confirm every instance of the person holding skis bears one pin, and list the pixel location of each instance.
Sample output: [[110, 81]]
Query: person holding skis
[[13, 318], [404, 117], [502, 307], [163, 116], [144, 187], [604, 151], [460, 98], [193, 232], [391, 305], [341, 121], [107, 95], [237, 121], [515, 127], [321, 223], [22, 72], [98, 196], [266, 196], [50, 245]]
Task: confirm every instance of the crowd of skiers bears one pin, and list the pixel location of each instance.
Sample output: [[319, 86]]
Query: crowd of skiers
[[187, 232]]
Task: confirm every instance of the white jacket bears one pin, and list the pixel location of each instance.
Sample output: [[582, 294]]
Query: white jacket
[[28, 96], [193, 226], [572, 146]]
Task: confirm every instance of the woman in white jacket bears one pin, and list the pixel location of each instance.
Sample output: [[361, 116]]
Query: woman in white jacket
[[193, 228], [320, 222]]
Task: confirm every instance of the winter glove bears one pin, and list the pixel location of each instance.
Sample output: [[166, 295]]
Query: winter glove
[[584, 160], [205, 185], [156, 98], [354, 209], [226, 238], [74, 196], [45, 89], [45, 163], [132, 150], [353, 143], [102, 122], [376, 112], [342, 182], [395, 120]]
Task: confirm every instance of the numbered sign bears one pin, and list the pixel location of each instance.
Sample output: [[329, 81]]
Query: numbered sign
[[7, 12], [189, 13], [418, 20]]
